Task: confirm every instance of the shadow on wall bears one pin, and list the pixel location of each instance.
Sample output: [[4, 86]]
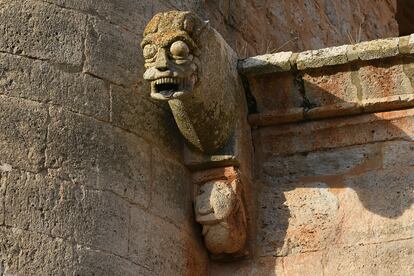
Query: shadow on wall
[[319, 177], [405, 16]]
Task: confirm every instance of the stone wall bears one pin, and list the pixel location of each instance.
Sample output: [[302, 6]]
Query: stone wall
[[92, 180], [334, 160]]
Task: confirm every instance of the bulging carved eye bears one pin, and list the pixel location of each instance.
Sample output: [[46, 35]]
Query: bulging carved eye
[[149, 51], [179, 49]]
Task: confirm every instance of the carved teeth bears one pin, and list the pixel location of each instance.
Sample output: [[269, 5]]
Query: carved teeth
[[167, 80]]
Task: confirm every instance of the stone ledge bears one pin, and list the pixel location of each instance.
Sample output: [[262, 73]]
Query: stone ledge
[[268, 63], [286, 61], [294, 115]]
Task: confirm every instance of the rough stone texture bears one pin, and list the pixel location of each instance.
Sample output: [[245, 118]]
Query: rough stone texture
[[376, 49], [322, 57], [386, 83], [42, 82], [87, 162], [384, 78], [132, 109], [24, 252], [276, 92], [266, 63], [112, 53], [347, 199], [332, 85], [42, 31], [23, 135]]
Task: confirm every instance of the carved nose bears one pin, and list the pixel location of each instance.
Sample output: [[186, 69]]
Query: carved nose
[[161, 62]]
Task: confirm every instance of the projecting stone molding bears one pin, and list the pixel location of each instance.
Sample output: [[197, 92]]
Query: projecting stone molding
[[368, 77]]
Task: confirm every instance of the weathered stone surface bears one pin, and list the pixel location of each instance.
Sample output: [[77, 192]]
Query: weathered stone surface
[[2, 196], [58, 208], [326, 86], [332, 133], [88, 152], [112, 53], [322, 57], [43, 31], [133, 110], [268, 63], [172, 251], [130, 15], [26, 253], [391, 258], [220, 210], [323, 163], [23, 133], [375, 49], [384, 202], [275, 92], [171, 195], [39, 81], [96, 262], [309, 263], [192, 67], [406, 44], [297, 220], [398, 153], [383, 79]]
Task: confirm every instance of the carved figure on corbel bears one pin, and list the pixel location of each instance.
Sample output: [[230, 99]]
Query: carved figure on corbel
[[189, 65]]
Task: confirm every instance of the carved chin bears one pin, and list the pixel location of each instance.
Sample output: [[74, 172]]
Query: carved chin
[[170, 88]]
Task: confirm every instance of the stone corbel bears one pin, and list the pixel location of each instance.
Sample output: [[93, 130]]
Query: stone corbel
[[190, 66]]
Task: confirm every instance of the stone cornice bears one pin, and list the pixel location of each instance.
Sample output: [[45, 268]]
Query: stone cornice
[[287, 61]]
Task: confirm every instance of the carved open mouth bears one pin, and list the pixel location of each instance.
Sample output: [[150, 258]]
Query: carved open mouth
[[167, 86]]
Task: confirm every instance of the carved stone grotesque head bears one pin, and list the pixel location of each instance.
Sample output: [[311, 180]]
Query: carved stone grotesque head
[[170, 54], [189, 65]]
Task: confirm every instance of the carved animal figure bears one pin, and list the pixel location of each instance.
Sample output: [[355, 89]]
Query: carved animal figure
[[189, 65]]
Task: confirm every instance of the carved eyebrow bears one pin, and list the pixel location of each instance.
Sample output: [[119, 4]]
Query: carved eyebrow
[[161, 42]]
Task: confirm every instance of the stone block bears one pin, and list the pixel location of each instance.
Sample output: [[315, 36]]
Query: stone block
[[39, 81], [324, 163], [332, 85], [390, 258], [2, 196], [42, 31], [133, 110], [398, 153], [375, 49], [130, 15], [96, 262], [112, 53], [303, 264], [408, 67], [406, 44], [269, 63], [58, 208], [172, 189], [383, 79], [321, 135], [162, 247], [276, 92], [28, 253], [386, 205], [296, 219], [95, 154], [23, 133], [322, 57]]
